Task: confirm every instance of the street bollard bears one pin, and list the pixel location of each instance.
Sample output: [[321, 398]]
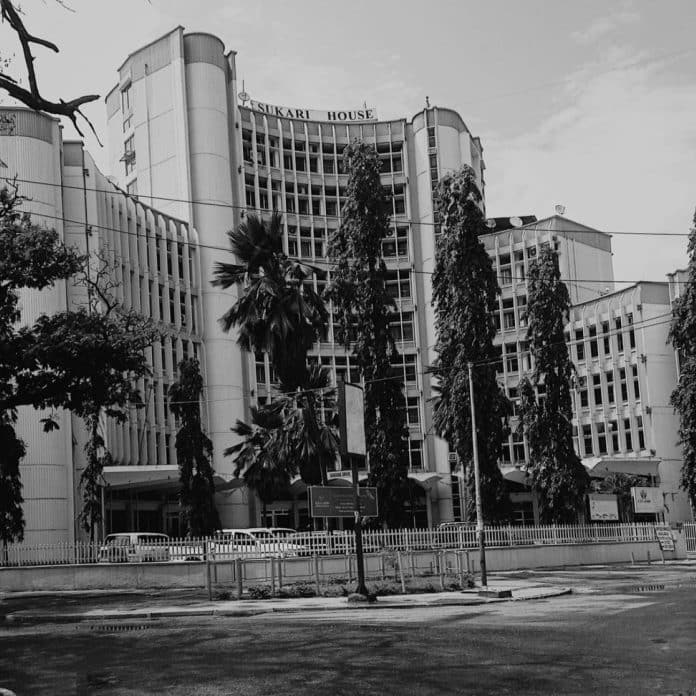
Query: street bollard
[[442, 571], [401, 572], [316, 575], [280, 573], [273, 578], [382, 564], [238, 577], [648, 557]]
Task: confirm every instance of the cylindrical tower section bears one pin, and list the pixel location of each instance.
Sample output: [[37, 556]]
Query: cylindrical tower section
[[30, 148], [212, 215]]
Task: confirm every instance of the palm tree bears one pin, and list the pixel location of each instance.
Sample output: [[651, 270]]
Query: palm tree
[[281, 314], [257, 456]]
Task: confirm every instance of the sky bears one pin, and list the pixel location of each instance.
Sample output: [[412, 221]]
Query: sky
[[590, 105]]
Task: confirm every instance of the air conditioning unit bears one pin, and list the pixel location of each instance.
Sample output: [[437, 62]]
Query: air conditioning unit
[[453, 458]]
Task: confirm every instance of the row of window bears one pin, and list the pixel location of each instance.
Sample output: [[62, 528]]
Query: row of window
[[614, 437], [601, 388], [587, 338]]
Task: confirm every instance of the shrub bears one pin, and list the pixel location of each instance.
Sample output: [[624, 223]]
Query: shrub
[[298, 589], [223, 595], [259, 592]]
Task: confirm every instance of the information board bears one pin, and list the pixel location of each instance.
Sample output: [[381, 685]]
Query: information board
[[327, 501], [665, 539], [603, 507], [646, 500]]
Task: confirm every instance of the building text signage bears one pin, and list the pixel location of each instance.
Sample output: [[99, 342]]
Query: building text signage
[[647, 500], [334, 116], [327, 501], [603, 507]]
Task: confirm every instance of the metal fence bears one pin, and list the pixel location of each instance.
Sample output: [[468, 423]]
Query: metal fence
[[157, 548]]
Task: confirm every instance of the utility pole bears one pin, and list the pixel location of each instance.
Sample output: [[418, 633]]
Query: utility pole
[[477, 482]]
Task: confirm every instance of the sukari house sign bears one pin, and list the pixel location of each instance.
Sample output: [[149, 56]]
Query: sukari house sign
[[304, 114]]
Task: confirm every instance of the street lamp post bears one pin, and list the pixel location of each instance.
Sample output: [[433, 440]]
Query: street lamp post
[[477, 483]]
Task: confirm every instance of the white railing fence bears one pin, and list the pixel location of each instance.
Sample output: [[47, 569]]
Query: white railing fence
[[226, 547]]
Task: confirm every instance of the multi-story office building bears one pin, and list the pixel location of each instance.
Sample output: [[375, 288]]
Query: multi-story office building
[[154, 268], [182, 141], [626, 372]]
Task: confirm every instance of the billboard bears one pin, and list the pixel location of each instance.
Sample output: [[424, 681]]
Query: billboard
[[329, 501], [646, 500], [603, 507]]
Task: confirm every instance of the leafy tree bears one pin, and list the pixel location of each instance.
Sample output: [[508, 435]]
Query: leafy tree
[[620, 485], [281, 314], [364, 310], [94, 357], [30, 258], [194, 451], [557, 474], [683, 337], [464, 296]]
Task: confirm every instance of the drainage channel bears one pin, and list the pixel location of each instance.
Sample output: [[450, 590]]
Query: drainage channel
[[655, 587], [121, 626]]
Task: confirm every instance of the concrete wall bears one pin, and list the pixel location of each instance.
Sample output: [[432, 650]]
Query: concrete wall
[[193, 574]]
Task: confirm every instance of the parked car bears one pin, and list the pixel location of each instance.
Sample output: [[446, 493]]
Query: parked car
[[134, 547], [257, 542]]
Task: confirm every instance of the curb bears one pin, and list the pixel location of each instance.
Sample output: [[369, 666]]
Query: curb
[[239, 612]]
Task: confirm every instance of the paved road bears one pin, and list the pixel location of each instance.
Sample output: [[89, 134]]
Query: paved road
[[593, 643]]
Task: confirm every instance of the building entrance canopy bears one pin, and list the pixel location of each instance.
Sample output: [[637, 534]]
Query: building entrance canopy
[[155, 477], [637, 466]]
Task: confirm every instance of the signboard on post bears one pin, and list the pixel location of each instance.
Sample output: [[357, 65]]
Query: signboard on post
[[351, 412], [646, 500], [665, 539], [327, 501], [603, 507]]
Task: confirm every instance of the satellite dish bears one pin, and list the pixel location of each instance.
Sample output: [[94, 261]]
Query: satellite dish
[[490, 223], [516, 221], [560, 209]]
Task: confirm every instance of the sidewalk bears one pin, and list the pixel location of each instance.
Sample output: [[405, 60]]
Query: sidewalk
[[139, 608]]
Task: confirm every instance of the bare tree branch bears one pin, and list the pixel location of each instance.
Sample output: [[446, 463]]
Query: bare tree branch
[[32, 97]]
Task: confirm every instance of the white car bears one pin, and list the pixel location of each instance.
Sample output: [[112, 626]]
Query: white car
[[258, 542], [134, 547]]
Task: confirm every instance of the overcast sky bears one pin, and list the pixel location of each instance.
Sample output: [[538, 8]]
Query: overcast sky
[[588, 104]]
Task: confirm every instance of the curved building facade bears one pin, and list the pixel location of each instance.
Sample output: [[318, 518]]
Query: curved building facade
[[182, 141]]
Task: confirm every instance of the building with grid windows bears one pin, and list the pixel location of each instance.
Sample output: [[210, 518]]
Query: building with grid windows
[[153, 267]]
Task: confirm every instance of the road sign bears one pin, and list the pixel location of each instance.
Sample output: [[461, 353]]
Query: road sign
[[351, 415], [327, 501], [665, 539]]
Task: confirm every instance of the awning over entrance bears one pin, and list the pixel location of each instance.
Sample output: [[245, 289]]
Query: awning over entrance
[[426, 479], [153, 476], [638, 466], [518, 476]]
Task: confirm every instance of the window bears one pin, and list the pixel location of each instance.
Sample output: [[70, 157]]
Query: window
[[128, 157], [636, 382], [402, 328], [580, 346], [601, 438], [171, 306], [518, 447], [594, 350], [126, 97], [584, 399], [406, 367], [606, 338], [619, 334], [576, 445], [641, 436], [416, 451], [622, 381], [614, 431], [627, 433], [398, 284], [597, 384], [412, 410], [511, 360], [610, 386], [631, 332], [431, 137], [587, 438]]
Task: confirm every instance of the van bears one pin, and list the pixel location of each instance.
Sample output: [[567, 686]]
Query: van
[[134, 547]]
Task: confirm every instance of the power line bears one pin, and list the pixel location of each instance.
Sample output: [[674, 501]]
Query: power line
[[314, 263], [532, 226]]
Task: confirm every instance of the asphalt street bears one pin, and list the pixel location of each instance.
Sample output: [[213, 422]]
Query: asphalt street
[[607, 638]]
